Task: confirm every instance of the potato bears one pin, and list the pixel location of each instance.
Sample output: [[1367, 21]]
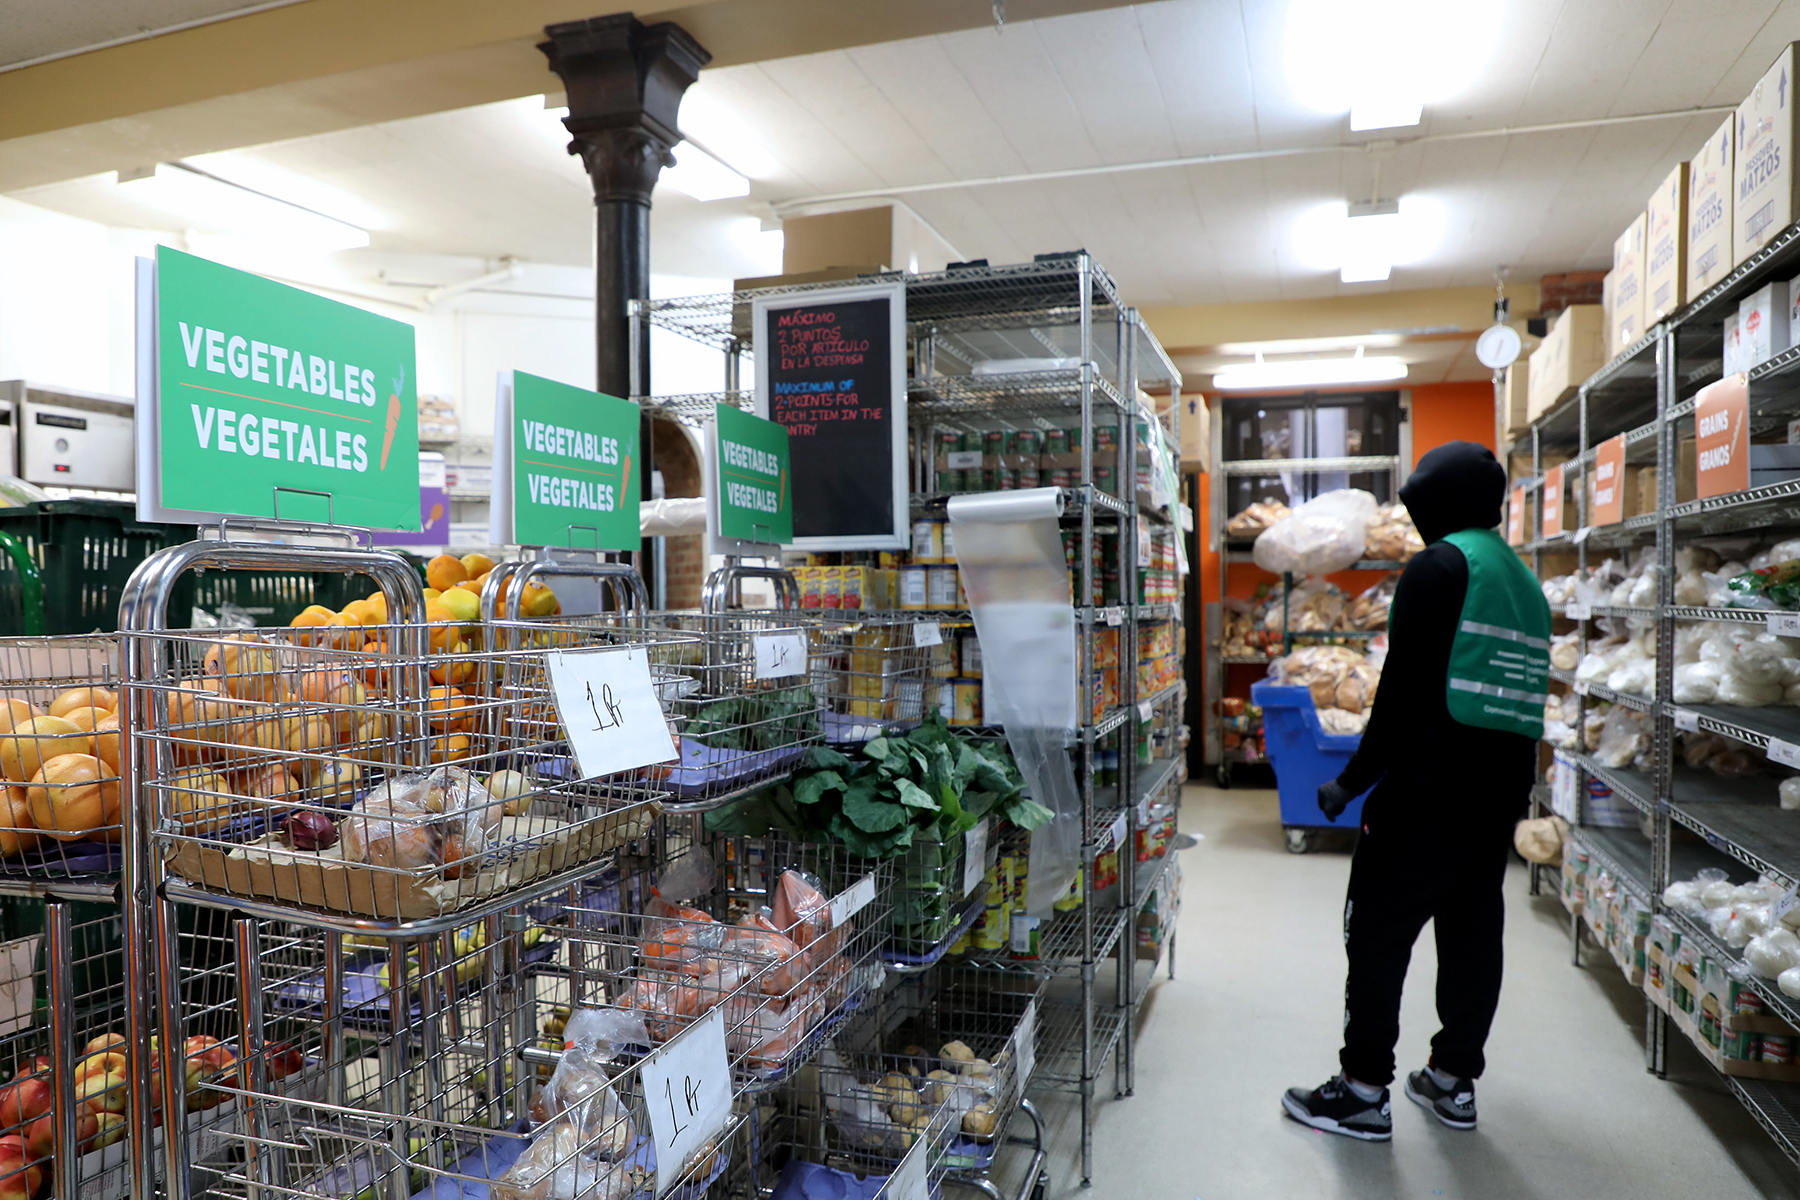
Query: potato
[[979, 1121], [956, 1052], [939, 1086]]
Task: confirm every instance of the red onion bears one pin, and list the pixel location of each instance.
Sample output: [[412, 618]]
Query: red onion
[[310, 831]]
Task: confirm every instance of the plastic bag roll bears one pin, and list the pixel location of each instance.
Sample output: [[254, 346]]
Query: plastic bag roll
[[1010, 553]]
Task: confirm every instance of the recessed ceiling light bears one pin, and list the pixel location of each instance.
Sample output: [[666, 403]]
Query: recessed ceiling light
[[213, 205], [1309, 372], [1382, 61], [1364, 241]]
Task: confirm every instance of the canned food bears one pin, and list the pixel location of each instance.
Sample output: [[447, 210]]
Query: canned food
[[1027, 441], [1006, 481], [1073, 436], [966, 702], [1777, 1048], [1104, 479], [949, 441], [993, 441], [990, 479], [1071, 899], [1030, 477], [1106, 437], [927, 540], [913, 591], [832, 587], [940, 587], [1061, 477], [1056, 441], [1747, 1003]]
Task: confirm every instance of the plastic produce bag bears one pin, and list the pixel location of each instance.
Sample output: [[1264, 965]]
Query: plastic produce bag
[[760, 948], [557, 1166], [1540, 840], [1370, 608], [1323, 535], [422, 821]]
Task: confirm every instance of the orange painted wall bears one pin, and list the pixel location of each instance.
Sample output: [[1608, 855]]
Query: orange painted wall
[[1445, 412]]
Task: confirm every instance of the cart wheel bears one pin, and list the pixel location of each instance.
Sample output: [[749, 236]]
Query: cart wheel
[[1224, 775], [1299, 841], [1041, 1187]]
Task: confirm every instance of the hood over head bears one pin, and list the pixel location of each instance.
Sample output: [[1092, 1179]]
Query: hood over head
[[1456, 486]]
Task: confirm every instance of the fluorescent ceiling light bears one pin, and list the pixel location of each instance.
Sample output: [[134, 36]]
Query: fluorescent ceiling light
[[702, 176], [1382, 61], [1309, 372], [211, 205], [1363, 242]]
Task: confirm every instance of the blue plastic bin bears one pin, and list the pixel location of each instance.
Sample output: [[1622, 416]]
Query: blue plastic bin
[[1304, 756]]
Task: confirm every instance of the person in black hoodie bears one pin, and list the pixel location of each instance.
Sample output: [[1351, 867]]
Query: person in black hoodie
[[1437, 828]]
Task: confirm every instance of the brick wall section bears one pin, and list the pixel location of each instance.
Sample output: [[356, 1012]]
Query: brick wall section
[[684, 555], [1557, 292]]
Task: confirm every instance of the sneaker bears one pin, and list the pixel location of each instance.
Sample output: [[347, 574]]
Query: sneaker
[[1335, 1108], [1454, 1105]]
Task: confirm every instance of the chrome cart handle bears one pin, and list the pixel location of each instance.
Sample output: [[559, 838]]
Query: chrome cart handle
[[145, 603], [504, 590], [723, 587]]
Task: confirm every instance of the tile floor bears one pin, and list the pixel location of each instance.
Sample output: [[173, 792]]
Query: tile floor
[[1567, 1109]]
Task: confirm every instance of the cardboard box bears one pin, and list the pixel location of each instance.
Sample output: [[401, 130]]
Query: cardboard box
[[1709, 256], [1730, 338], [1665, 240], [1762, 325], [1626, 323], [1762, 169], [1515, 403], [1793, 292], [1573, 349], [1196, 434]]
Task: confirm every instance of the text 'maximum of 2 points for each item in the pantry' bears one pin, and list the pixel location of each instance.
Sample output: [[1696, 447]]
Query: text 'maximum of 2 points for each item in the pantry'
[[264, 390]]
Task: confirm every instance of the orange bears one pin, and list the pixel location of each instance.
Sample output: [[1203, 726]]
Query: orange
[[448, 748], [378, 602], [471, 585], [361, 612], [457, 670], [477, 565], [451, 711], [443, 625], [445, 572]]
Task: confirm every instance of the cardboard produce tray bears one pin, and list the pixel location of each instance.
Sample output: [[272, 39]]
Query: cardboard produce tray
[[267, 869]]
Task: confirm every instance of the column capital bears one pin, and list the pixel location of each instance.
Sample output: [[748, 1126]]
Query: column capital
[[624, 81]]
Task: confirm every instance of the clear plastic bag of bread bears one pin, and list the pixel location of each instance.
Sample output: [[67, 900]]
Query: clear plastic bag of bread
[[1357, 690], [1391, 536], [1321, 536], [1369, 610], [417, 822], [1256, 518], [560, 1165], [1313, 606], [580, 1090]]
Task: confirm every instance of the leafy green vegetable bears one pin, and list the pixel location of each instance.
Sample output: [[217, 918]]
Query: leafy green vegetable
[[929, 783]]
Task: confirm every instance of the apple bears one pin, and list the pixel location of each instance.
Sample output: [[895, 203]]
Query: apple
[[105, 1042], [106, 1062], [20, 1178], [24, 1100], [101, 1093], [111, 1128], [40, 1135], [284, 1060]]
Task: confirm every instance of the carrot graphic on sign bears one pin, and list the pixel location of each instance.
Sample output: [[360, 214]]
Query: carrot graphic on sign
[[393, 416]]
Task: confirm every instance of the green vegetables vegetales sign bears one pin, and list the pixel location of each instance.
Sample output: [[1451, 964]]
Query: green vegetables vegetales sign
[[753, 492], [574, 462], [266, 393]]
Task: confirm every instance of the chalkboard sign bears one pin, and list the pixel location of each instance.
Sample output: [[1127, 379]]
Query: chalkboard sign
[[831, 370]]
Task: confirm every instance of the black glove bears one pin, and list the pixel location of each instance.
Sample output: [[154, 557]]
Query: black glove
[[1333, 799]]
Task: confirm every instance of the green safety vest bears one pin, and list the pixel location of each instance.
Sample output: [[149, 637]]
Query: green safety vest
[[1500, 660]]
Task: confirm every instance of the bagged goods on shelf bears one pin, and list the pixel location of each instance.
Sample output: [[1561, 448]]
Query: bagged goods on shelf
[[1323, 535], [1565, 651], [1559, 591], [1721, 756], [1625, 739], [1314, 606], [1773, 951], [1391, 536], [1540, 840], [1258, 517], [1370, 608], [1790, 792]]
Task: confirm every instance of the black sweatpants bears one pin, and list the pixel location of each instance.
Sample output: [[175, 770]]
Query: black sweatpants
[[1401, 877]]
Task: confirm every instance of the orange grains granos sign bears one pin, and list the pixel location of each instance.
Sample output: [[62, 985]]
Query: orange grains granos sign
[[1515, 516], [1552, 503], [1721, 439], [1609, 482]]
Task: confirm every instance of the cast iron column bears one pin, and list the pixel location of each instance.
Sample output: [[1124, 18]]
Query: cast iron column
[[624, 82]]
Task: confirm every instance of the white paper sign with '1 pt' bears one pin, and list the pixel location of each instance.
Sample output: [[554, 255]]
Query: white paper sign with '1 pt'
[[852, 900], [1686, 720], [1119, 827], [687, 1092], [974, 855], [908, 1181], [779, 655], [609, 709], [1784, 624], [1025, 1044], [928, 633]]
